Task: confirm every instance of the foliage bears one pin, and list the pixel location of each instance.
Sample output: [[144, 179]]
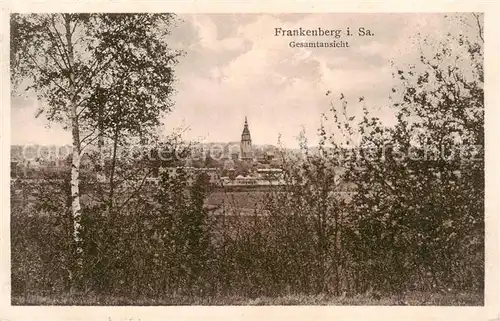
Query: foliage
[[121, 63], [419, 207], [107, 78], [374, 211]]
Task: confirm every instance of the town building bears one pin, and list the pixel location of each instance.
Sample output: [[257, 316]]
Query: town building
[[246, 143]]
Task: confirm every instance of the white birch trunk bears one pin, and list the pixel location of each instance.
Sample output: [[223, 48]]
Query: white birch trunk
[[75, 163], [75, 198]]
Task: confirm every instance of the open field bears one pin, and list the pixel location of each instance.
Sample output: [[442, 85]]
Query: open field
[[417, 298]]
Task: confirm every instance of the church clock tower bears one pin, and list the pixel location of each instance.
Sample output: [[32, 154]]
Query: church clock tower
[[246, 143]]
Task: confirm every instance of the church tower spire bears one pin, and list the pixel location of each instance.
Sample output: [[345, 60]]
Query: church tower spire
[[246, 143]]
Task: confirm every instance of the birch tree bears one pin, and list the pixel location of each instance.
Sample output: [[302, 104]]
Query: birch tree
[[99, 75]]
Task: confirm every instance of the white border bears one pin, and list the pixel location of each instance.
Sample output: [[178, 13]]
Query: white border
[[490, 311]]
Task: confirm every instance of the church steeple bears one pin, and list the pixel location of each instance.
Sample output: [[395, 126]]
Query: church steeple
[[246, 132], [246, 142]]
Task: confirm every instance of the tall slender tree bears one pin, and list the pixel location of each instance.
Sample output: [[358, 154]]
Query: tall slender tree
[[105, 77]]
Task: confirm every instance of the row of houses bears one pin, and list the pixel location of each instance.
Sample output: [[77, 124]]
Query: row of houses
[[260, 177]]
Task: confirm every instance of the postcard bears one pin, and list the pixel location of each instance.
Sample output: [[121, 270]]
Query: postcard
[[203, 160]]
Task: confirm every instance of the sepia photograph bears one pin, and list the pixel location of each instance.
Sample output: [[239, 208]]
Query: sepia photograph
[[241, 159]]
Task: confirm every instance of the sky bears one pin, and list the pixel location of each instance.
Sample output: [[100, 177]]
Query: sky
[[235, 66]]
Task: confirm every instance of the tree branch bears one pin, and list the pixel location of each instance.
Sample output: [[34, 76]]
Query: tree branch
[[62, 52]]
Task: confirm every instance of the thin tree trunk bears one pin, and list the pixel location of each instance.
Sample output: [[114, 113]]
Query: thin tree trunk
[[337, 251], [75, 196], [75, 164], [101, 174], [112, 172]]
